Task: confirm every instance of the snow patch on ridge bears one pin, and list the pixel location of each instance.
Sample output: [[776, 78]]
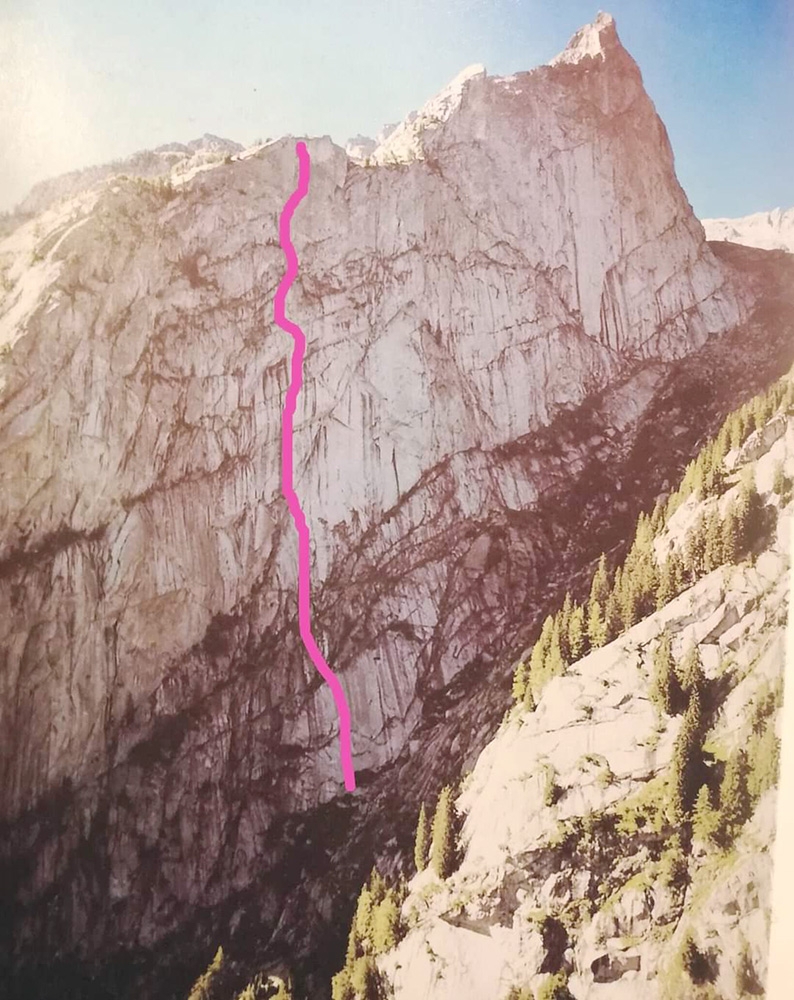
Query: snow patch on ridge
[[768, 230]]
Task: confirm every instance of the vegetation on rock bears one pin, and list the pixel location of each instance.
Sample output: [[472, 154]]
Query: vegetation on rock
[[205, 987], [643, 583], [376, 928], [422, 840], [443, 848]]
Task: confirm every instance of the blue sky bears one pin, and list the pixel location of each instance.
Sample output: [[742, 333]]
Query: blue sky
[[89, 80]]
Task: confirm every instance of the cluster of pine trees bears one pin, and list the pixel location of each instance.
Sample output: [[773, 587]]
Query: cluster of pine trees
[[618, 600], [205, 987], [437, 845], [683, 689], [377, 925], [749, 772], [376, 928], [680, 689], [215, 984], [643, 584]]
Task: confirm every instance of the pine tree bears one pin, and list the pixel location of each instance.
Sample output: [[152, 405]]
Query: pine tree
[[665, 588], [599, 588], [576, 633], [657, 517], [749, 509], [596, 626], [664, 683], [678, 779], [694, 551], [674, 501], [705, 818], [698, 477], [713, 550], [528, 703], [628, 599], [706, 462], [422, 840], [690, 672], [722, 445], [612, 617], [386, 924], [363, 916], [377, 887], [538, 672], [731, 534], [564, 625], [643, 536], [736, 429], [714, 482], [670, 582], [677, 571], [735, 805], [556, 663], [761, 411], [781, 484], [764, 761], [364, 978], [204, 987], [692, 479], [354, 948], [687, 761], [444, 849], [693, 717], [520, 680], [647, 584], [673, 869]]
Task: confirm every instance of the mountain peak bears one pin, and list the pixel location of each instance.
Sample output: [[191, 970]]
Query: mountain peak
[[590, 42], [772, 230], [214, 143], [403, 143]]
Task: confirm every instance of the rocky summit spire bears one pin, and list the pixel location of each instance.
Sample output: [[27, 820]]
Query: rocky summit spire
[[593, 41]]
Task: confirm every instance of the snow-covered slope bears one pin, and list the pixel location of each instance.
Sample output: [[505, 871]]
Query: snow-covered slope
[[768, 230]]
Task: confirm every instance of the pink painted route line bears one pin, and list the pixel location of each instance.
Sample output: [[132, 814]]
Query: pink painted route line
[[287, 441]]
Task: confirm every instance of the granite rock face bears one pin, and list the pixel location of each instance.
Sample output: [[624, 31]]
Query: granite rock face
[[520, 245]]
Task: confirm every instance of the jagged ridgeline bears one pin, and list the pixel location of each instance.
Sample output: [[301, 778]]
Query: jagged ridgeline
[[645, 882]]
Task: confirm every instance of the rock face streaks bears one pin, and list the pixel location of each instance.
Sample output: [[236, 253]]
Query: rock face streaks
[[524, 245]]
